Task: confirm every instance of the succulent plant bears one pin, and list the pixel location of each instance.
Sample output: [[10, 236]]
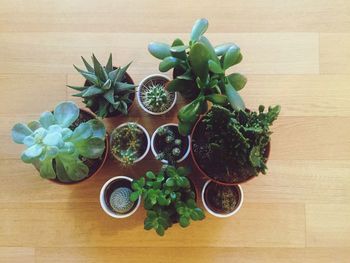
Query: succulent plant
[[108, 91], [156, 98], [168, 198], [120, 200], [127, 142], [56, 149], [202, 75]]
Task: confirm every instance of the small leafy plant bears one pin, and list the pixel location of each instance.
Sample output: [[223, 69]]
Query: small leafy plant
[[127, 143], [168, 198], [231, 145], [203, 73], [55, 148], [156, 98], [108, 91]]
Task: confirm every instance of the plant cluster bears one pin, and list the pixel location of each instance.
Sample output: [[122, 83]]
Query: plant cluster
[[168, 198], [235, 140], [155, 97], [171, 145], [203, 73], [120, 200], [107, 91], [55, 148], [127, 142]]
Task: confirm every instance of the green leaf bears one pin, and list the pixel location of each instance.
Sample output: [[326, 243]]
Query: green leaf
[[34, 125], [179, 52], [91, 148], [217, 99], [92, 91], [177, 42], [82, 132], [255, 156], [134, 196], [215, 67], [222, 49], [88, 66], [121, 73], [47, 119], [46, 170], [199, 57], [160, 230], [99, 70], [168, 63], [77, 88], [234, 98], [210, 48], [237, 80], [170, 182], [231, 57], [19, 132], [107, 85], [109, 65], [184, 221], [150, 175], [88, 76], [159, 50], [66, 113], [109, 96], [98, 128], [198, 29], [33, 151], [185, 128], [53, 139]]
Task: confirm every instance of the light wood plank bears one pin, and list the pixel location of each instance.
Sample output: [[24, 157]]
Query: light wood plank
[[17, 255]]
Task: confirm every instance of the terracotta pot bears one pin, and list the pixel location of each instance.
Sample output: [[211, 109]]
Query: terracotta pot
[[104, 157], [267, 154]]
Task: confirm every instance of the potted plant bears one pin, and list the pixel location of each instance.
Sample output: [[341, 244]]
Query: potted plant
[[67, 145], [115, 197], [201, 74], [168, 145], [153, 97], [169, 197], [222, 200], [230, 146], [108, 91], [130, 143]]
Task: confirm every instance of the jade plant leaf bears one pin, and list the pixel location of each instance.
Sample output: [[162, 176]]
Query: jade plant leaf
[[199, 57], [237, 80], [233, 97], [159, 50], [231, 57], [168, 63], [198, 29]]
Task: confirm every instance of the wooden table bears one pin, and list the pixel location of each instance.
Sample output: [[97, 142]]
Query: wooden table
[[296, 54]]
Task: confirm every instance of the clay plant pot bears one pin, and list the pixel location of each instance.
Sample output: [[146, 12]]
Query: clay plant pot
[[153, 80], [204, 173], [155, 143], [106, 192], [102, 160], [209, 206]]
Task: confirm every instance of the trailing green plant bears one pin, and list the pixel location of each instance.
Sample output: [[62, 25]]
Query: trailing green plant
[[107, 91], [168, 198], [171, 150], [120, 200], [156, 98], [127, 142], [203, 77], [235, 141], [55, 148]]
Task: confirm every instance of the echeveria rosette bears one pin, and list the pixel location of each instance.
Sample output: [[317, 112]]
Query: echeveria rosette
[[55, 149]]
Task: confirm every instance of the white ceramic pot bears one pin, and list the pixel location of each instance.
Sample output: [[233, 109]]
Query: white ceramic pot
[[106, 208], [154, 150], [138, 94], [147, 136], [207, 207]]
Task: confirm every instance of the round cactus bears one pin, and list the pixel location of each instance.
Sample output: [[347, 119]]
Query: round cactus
[[156, 98], [120, 201]]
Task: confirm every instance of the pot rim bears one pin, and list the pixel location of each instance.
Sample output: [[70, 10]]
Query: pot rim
[[207, 207], [155, 152], [138, 93], [104, 205], [144, 131]]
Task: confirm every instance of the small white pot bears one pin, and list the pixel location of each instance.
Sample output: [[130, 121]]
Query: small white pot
[[147, 136], [154, 150], [138, 94], [103, 201], [217, 214]]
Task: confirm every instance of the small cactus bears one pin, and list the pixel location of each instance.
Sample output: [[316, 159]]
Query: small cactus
[[120, 200], [156, 98], [171, 150]]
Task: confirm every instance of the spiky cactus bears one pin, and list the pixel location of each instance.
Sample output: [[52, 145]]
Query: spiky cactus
[[172, 149], [156, 98], [108, 91], [120, 200]]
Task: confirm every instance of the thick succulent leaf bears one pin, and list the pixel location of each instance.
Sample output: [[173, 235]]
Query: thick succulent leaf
[[109, 96], [107, 85], [29, 141], [179, 52], [99, 69], [91, 148], [51, 152], [53, 139], [46, 170], [47, 119], [210, 48], [121, 72], [98, 128], [66, 113], [221, 49], [231, 57], [199, 57], [34, 125], [74, 167], [66, 133], [61, 173], [237, 80], [68, 148], [92, 91], [113, 75], [215, 67], [185, 128], [159, 50], [124, 86], [177, 42], [77, 88], [198, 29], [82, 132], [168, 63], [109, 65], [26, 159], [233, 97], [33, 151], [217, 99], [88, 76], [89, 68], [19, 132], [55, 128]]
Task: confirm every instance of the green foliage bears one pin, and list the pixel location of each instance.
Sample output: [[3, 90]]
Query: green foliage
[[107, 91], [120, 200], [156, 98], [168, 198], [201, 73], [126, 143], [56, 149]]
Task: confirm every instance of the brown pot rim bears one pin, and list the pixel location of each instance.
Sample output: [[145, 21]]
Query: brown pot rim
[[204, 173]]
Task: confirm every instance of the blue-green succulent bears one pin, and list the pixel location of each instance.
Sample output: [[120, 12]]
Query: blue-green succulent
[[55, 148]]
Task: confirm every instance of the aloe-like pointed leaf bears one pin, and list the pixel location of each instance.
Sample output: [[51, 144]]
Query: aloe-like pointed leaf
[[99, 70], [124, 86], [237, 80], [47, 119], [231, 57], [91, 148], [109, 96], [34, 151], [77, 88], [92, 91], [98, 128], [210, 48], [19, 132], [198, 29], [233, 97], [113, 75], [121, 72], [168, 63], [221, 49], [199, 57], [46, 170], [159, 50], [109, 65], [215, 67], [82, 132], [107, 85], [66, 113], [88, 76], [89, 68]]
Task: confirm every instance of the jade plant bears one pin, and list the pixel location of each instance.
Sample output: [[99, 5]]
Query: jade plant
[[107, 90], [168, 198], [202, 75], [155, 98], [171, 145], [56, 148], [230, 145]]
